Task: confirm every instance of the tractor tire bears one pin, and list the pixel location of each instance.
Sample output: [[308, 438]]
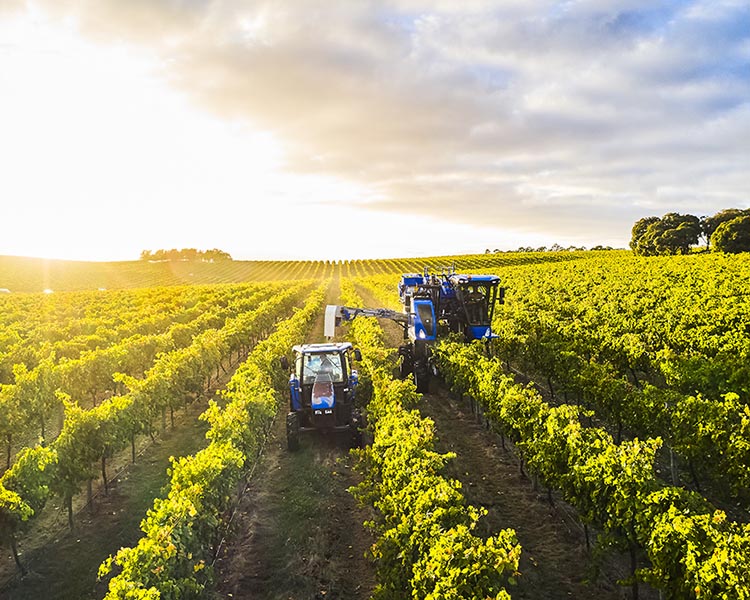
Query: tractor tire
[[406, 362], [421, 376], [292, 431]]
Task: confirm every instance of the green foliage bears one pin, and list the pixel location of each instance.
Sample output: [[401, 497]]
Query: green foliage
[[639, 230], [732, 236], [703, 556], [728, 231], [214, 255], [24, 490], [174, 554], [710, 224], [671, 234], [459, 564], [35, 392], [89, 437], [653, 346]]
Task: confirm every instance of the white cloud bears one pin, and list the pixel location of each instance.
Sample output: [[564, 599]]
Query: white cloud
[[524, 115]]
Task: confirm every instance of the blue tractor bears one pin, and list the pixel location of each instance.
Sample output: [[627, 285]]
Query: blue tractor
[[322, 392], [434, 305]]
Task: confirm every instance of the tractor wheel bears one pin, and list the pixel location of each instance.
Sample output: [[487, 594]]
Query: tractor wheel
[[421, 376], [406, 362], [292, 431]]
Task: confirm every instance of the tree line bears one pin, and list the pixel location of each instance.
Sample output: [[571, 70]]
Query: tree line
[[190, 254], [727, 231], [553, 248]]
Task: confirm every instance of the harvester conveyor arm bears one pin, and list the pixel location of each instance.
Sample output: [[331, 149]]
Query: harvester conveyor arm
[[336, 314]]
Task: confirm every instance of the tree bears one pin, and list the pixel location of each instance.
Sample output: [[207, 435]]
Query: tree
[[671, 234], [710, 224], [638, 231], [216, 255], [732, 236], [188, 254]]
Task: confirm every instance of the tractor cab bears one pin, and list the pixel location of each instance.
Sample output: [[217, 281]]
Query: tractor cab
[[322, 387], [449, 303], [476, 296]]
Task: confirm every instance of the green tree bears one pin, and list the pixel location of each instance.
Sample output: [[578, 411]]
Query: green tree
[[732, 236], [639, 230], [671, 234], [710, 224]]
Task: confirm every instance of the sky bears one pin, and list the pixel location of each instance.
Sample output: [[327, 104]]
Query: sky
[[309, 129]]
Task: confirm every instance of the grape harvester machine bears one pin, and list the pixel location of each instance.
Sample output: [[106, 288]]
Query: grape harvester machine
[[433, 306]]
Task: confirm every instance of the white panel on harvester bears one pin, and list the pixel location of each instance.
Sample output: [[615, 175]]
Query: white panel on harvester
[[329, 326]]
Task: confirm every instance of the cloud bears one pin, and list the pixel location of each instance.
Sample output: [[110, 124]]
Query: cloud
[[529, 114]]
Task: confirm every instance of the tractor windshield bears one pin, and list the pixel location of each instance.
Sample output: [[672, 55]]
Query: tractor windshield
[[318, 364], [475, 297]]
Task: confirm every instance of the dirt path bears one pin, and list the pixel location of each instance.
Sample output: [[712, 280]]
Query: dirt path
[[298, 533]]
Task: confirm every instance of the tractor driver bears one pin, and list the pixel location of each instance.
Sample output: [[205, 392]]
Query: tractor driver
[[474, 304], [329, 366]]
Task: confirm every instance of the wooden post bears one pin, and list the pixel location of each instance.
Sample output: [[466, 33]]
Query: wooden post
[[90, 495], [69, 505], [104, 475], [14, 548]]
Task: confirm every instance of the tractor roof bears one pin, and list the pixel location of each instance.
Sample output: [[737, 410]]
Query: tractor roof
[[475, 278], [323, 348]]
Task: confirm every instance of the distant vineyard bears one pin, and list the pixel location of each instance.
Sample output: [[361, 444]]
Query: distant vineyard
[[37, 275], [77, 343], [657, 347]]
